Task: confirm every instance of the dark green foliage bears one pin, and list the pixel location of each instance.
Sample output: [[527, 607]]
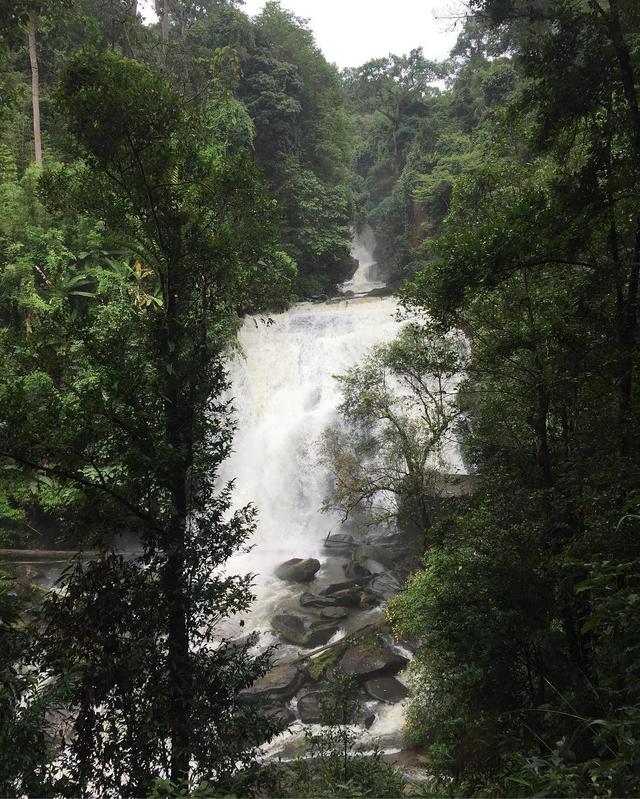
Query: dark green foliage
[[523, 682], [333, 763], [25, 740], [112, 378]]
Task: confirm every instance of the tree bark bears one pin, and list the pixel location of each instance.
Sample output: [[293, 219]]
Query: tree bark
[[35, 88]]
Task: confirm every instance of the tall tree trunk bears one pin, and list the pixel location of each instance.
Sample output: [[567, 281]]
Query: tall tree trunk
[[35, 88]]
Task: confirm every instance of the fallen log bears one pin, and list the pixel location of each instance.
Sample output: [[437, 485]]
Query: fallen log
[[53, 555], [34, 555]]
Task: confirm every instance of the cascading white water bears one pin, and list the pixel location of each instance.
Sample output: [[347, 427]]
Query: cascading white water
[[285, 396], [362, 250]]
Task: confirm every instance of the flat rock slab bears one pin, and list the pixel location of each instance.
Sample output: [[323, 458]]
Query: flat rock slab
[[386, 586], [317, 601], [298, 570], [367, 662], [303, 632], [386, 689], [340, 541], [348, 597], [334, 588], [281, 682], [334, 613]]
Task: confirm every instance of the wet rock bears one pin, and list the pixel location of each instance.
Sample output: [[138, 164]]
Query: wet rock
[[386, 585], [365, 553], [33, 574], [282, 714], [348, 597], [334, 613], [339, 541], [317, 601], [302, 631], [282, 682], [380, 292], [309, 708], [356, 570], [386, 689], [367, 662], [367, 718], [334, 588], [298, 570]]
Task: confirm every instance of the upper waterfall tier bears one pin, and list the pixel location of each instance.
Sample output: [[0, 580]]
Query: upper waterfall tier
[[362, 249]]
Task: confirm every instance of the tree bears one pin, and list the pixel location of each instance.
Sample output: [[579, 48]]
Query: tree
[[398, 410], [140, 427], [394, 88]]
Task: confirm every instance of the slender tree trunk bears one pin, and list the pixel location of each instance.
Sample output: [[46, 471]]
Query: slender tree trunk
[[164, 19], [35, 88], [178, 430]]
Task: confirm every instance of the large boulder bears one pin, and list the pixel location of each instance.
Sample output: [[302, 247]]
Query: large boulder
[[298, 570], [366, 662], [281, 682], [386, 689], [303, 631]]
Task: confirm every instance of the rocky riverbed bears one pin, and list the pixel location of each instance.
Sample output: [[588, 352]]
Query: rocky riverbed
[[332, 621]]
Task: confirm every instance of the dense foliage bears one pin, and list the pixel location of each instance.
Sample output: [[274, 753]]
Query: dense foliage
[[526, 678], [159, 182]]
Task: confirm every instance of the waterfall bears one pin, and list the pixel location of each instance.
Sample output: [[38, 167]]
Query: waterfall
[[362, 249], [285, 397]]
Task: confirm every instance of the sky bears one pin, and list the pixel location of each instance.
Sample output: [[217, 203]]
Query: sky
[[350, 32]]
